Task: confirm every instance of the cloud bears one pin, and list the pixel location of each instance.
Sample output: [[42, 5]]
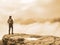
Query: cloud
[[31, 11], [24, 10]]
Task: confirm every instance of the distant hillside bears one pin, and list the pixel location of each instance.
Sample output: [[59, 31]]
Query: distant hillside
[[33, 20]]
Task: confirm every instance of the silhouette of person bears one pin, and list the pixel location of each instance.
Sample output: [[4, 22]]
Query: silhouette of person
[[10, 22]]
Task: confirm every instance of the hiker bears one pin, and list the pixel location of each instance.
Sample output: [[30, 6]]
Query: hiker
[[10, 22]]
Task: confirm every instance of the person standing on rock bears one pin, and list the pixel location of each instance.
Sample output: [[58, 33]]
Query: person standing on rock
[[10, 22]]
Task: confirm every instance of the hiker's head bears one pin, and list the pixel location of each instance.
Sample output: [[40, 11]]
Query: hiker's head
[[10, 17]]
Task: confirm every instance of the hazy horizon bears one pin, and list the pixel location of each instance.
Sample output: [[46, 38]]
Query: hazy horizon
[[31, 16]]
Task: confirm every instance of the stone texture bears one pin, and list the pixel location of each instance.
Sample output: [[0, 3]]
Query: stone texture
[[32, 39]]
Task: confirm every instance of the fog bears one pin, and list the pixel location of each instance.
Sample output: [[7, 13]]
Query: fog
[[31, 16], [46, 28]]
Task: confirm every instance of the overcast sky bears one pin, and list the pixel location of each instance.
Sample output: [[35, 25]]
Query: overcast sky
[[25, 9], [22, 10]]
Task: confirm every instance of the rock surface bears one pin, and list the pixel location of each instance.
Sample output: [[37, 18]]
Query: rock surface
[[29, 39]]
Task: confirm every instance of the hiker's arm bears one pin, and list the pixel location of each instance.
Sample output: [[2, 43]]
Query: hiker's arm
[[12, 21]]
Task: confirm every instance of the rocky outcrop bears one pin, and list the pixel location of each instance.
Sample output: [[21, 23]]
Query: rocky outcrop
[[29, 39]]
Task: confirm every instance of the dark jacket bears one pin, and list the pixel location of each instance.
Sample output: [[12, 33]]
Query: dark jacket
[[10, 21]]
